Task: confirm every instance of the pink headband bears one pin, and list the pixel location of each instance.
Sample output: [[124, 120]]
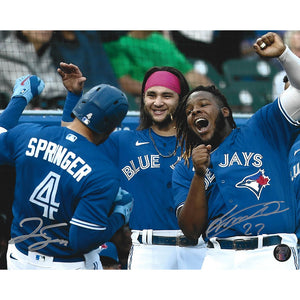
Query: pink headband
[[164, 78]]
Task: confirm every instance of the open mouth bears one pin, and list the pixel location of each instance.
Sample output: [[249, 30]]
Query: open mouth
[[201, 124]]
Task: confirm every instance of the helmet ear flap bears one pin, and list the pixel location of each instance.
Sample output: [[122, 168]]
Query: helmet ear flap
[[102, 108]]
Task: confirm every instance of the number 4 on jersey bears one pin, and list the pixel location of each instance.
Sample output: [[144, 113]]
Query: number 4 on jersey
[[45, 193]]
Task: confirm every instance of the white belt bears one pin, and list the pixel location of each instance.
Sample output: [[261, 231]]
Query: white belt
[[41, 260]]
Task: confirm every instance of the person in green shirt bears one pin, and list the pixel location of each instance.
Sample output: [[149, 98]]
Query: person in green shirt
[[135, 53]]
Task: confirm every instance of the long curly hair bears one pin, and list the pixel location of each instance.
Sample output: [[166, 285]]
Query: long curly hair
[[145, 120], [186, 138]]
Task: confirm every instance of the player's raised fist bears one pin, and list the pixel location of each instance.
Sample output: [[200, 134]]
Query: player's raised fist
[[269, 45], [201, 158], [28, 86]]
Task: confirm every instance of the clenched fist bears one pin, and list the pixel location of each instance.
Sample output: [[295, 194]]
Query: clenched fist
[[201, 159]]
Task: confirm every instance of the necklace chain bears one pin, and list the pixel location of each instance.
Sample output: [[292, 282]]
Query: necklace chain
[[154, 144]]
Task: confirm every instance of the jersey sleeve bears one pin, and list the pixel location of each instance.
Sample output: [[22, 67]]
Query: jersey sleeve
[[181, 181], [94, 206], [7, 146], [92, 223], [274, 126]]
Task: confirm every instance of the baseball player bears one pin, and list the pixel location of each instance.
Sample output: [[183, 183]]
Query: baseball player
[[233, 185], [294, 166], [66, 203], [146, 158]]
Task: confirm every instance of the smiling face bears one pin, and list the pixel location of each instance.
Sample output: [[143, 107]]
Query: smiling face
[[160, 104], [207, 118]]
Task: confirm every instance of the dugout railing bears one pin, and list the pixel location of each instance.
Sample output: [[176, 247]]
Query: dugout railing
[[131, 121]]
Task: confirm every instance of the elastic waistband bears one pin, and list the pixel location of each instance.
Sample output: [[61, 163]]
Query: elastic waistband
[[163, 237], [42, 257], [247, 243]]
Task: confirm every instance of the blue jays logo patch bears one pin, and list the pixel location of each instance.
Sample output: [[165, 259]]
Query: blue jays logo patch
[[255, 182]]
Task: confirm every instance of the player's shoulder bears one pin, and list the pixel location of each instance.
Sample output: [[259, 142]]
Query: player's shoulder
[[108, 167], [122, 132], [35, 126], [24, 128], [43, 131], [261, 119], [20, 133], [126, 135], [28, 125]]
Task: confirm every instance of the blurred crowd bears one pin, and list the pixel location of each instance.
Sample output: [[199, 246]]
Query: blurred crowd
[[121, 58]]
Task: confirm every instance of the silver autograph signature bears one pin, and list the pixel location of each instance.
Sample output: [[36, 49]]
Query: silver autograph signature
[[39, 231], [233, 217]]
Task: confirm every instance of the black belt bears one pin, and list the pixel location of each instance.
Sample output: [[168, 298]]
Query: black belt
[[170, 240], [246, 244]]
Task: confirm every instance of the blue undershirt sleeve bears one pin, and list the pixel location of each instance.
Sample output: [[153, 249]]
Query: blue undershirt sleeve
[[9, 118], [70, 103]]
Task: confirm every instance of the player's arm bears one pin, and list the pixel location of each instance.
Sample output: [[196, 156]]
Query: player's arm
[[73, 80], [271, 45], [25, 89], [192, 217], [86, 236]]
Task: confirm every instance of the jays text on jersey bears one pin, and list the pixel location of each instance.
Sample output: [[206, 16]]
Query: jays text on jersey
[[60, 180], [139, 163], [294, 165], [247, 184]]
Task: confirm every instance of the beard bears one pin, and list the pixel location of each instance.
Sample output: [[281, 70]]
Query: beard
[[160, 124], [218, 135]]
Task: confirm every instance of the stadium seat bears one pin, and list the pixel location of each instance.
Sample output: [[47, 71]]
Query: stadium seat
[[244, 99], [256, 74], [206, 68]]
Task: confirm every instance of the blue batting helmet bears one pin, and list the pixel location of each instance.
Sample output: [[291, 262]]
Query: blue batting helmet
[[102, 108]]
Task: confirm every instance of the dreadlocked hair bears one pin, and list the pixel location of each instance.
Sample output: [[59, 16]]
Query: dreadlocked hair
[[186, 138], [145, 120]]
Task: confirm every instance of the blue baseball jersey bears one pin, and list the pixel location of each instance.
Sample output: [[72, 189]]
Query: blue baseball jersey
[[146, 175], [60, 180], [247, 184], [294, 166]]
